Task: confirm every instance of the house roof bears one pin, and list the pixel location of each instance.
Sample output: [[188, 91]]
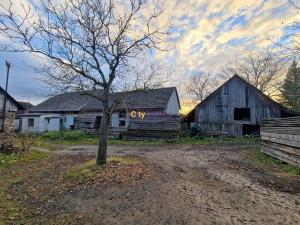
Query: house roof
[[76, 101], [19, 106], [26, 105], [240, 78]]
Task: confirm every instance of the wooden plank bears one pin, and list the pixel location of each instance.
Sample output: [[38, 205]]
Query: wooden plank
[[282, 141], [281, 130], [284, 148], [290, 137], [285, 122], [289, 158]]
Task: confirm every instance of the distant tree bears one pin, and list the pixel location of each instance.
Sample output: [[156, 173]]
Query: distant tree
[[291, 87], [200, 86], [89, 44], [263, 70]]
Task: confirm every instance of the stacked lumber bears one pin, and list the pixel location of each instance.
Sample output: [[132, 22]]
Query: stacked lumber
[[281, 139], [154, 127], [87, 125]]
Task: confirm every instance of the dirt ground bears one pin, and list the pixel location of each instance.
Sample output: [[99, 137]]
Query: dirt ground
[[200, 184]]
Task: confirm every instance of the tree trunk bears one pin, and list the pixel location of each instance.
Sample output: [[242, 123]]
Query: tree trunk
[[104, 129]]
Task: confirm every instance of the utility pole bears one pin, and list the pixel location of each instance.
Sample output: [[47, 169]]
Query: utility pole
[[5, 94]]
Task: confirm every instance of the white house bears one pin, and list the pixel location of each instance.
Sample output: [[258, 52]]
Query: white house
[[74, 110]]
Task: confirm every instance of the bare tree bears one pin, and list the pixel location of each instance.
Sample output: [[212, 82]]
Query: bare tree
[[89, 44], [263, 70], [290, 42], [201, 85], [150, 75], [294, 35]]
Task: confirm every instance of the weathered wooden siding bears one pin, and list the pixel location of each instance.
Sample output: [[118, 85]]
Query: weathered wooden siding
[[281, 139], [216, 113]]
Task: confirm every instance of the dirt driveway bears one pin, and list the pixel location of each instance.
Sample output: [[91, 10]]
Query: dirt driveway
[[192, 184], [205, 184]]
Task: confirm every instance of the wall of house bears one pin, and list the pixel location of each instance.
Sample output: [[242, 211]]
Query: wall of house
[[10, 106], [27, 129], [216, 114], [51, 124], [42, 123], [17, 124], [69, 121], [173, 105]]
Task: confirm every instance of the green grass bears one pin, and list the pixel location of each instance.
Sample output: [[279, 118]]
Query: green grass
[[192, 140], [52, 140], [8, 208], [83, 172], [9, 160], [10, 211], [89, 170], [267, 162]]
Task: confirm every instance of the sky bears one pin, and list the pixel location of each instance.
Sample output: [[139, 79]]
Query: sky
[[206, 35]]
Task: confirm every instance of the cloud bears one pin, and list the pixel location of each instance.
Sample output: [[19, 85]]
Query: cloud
[[225, 30], [209, 34], [24, 84]]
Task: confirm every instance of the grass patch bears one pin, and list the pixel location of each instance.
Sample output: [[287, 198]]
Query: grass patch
[[52, 140], [64, 135], [34, 155], [123, 160], [12, 171], [83, 172], [89, 170], [9, 160], [267, 162], [9, 210]]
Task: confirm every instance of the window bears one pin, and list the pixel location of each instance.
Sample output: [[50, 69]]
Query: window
[[242, 114], [30, 122], [122, 123]]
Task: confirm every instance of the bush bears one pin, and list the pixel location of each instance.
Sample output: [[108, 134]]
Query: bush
[[23, 143]]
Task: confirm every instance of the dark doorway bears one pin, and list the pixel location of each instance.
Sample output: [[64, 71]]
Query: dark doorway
[[61, 124], [97, 122], [242, 114], [249, 129]]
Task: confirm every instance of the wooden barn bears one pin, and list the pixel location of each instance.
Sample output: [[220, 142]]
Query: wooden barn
[[236, 108]]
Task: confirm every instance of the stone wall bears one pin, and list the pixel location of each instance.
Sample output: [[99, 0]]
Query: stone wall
[[8, 134]]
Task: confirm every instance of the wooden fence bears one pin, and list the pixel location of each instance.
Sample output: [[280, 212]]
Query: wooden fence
[[280, 138]]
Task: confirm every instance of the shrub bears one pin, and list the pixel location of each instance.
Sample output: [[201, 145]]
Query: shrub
[[23, 142]]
